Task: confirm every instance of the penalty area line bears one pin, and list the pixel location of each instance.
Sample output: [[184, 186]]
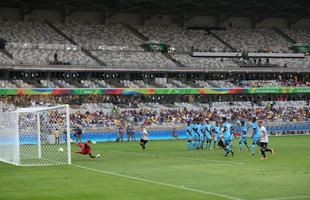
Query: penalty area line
[[156, 182], [183, 158], [288, 198]]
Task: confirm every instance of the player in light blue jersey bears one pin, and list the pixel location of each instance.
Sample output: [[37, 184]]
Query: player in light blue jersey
[[217, 133], [207, 129], [195, 135], [227, 137], [201, 135], [189, 136], [255, 135], [243, 136], [232, 136]]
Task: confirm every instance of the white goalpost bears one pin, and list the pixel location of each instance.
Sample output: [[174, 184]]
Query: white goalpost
[[35, 136]]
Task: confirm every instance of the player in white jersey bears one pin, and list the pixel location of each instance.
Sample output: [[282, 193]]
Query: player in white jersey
[[144, 138], [263, 140]]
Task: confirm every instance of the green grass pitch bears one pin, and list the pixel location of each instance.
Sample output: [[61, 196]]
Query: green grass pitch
[[166, 170]]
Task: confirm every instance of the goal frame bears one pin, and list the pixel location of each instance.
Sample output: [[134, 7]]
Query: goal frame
[[14, 137]]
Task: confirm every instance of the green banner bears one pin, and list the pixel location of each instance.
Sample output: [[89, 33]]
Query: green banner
[[301, 48]]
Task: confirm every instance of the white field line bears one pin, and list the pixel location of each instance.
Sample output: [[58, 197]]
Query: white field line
[[157, 182], [288, 198], [183, 158]]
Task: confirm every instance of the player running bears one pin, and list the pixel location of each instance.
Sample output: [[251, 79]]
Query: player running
[[86, 149], [227, 137], [144, 138], [264, 140], [243, 136], [255, 135]]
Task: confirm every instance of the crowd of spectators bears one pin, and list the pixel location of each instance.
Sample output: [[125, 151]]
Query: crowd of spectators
[[172, 117]]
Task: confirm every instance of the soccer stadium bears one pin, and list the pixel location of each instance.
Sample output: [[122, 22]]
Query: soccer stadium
[[154, 99]]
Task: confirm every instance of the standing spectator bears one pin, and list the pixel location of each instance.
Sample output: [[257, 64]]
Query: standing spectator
[[56, 57]]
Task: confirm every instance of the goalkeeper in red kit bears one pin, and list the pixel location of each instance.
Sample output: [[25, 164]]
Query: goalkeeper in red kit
[[86, 149]]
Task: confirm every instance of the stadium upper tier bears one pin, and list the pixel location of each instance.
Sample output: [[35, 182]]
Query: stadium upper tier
[[122, 46], [301, 36], [29, 32], [46, 56], [169, 83], [255, 40], [102, 36], [183, 40]]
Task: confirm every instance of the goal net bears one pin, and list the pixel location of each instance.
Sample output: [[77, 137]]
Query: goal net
[[35, 136]]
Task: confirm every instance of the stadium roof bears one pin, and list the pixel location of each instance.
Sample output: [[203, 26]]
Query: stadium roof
[[258, 8]]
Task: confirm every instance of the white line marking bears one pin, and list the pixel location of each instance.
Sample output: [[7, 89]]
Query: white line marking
[[288, 198], [184, 158], [158, 183]]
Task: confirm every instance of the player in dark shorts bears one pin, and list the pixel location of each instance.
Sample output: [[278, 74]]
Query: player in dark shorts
[[144, 138]]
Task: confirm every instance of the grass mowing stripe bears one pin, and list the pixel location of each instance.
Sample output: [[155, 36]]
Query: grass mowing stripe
[[288, 198], [184, 158], [158, 183]]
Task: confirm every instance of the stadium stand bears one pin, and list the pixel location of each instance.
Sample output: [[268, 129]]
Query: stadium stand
[[46, 56], [5, 60], [182, 40], [35, 32], [35, 42], [301, 36], [254, 40], [104, 37], [134, 59], [280, 112]]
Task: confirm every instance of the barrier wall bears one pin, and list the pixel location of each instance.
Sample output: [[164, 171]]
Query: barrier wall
[[274, 129]]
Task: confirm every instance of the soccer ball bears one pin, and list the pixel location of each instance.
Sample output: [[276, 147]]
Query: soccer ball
[[94, 142], [61, 149], [98, 155]]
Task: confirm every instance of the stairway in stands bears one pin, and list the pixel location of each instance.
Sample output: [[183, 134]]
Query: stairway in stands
[[3, 50], [85, 51], [7, 54], [221, 40], [145, 39], [285, 36]]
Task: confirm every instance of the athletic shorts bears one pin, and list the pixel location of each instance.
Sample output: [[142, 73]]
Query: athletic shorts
[[263, 145], [143, 141]]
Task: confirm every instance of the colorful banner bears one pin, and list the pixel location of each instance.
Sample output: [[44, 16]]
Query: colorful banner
[[152, 91]]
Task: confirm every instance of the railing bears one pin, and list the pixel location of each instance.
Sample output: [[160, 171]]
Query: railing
[[66, 47]]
